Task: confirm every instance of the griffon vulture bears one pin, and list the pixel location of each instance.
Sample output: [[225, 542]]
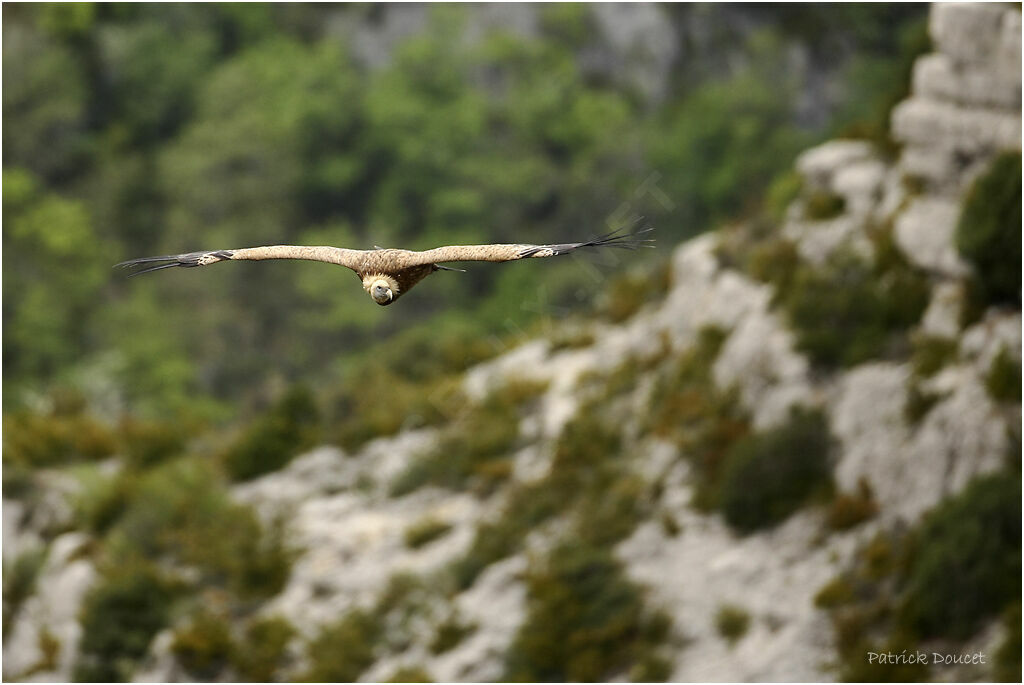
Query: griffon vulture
[[387, 274]]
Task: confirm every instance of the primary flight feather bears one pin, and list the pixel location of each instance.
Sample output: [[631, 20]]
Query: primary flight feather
[[387, 274]]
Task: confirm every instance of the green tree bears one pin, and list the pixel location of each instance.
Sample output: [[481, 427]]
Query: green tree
[[54, 271]]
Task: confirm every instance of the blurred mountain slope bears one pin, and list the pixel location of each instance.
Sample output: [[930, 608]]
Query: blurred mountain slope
[[797, 444]]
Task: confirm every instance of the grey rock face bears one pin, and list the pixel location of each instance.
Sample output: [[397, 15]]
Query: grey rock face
[[939, 77], [966, 96], [965, 31], [924, 232], [51, 615]]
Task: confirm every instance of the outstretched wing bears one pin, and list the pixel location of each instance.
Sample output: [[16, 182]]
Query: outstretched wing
[[332, 255], [511, 252]]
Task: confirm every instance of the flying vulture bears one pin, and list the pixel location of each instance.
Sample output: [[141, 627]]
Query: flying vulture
[[387, 274]]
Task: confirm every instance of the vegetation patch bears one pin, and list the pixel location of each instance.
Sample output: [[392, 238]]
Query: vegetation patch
[[204, 646], [783, 190], [64, 435], [628, 293], [419, 372], [988, 233], [410, 674], [475, 450], [571, 338], [343, 650], [944, 579], [932, 353], [919, 402], [346, 648], [1007, 657], [966, 560], [20, 581], [49, 652], [687, 408], [585, 622], [767, 476], [732, 622], [588, 477], [261, 654], [377, 402], [273, 439], [822, 205], [849, 311], [425, 531], [180, 510], [775, 261], [103, 499], [129, 604], [449, 634], [851, 509], [1004, 378], [147, 443], [529, 505]]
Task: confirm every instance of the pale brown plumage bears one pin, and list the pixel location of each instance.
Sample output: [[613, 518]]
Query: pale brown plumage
[[387, 274]]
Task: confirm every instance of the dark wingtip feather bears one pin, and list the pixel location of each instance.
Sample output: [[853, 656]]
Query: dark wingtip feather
[[627, 241], [187, 260]]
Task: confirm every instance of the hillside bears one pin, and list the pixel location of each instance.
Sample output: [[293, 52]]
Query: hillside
[[797, 445]]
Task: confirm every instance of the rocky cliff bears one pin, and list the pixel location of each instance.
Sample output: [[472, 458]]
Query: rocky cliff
[[355, 533]]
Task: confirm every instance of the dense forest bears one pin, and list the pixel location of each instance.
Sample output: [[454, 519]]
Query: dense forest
[[133, 130]]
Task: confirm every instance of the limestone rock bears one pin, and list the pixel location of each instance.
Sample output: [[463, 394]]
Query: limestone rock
[[867, 418], [860, 184], [703, 294], [938, 76], [51, 615], [942, 318], [966, 30], [773, 576], [759, 359], [816, 241], [911, 470], [971, 131], [820, 164], [983, 341], [924, 233]]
